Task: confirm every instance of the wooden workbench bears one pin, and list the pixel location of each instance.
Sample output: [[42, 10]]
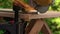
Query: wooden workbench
[[37, 24], [10, 13]]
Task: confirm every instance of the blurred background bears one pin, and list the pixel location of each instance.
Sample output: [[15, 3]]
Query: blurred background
[[6, 3], [54, 23]]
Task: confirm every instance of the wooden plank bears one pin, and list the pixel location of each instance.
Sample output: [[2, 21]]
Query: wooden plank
[[38, 16], [37, 27], [6, 14], [6, 10], [45, 29], [40, 25], [30, 16], [29, 26]]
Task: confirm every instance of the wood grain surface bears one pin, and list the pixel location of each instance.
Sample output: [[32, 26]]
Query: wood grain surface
[[48, 14]]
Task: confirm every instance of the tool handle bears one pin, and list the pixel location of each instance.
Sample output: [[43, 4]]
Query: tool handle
[[27, 7]]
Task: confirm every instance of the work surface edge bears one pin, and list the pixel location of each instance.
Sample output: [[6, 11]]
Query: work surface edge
[[10, 13], [31, 16]]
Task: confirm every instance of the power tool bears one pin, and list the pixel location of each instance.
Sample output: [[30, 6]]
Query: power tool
[[34, 5]]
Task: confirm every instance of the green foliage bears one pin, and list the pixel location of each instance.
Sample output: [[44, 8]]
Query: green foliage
[[6, 3], [56, 5], [26, 1], [2, 31], [57, 21], [54, 23]]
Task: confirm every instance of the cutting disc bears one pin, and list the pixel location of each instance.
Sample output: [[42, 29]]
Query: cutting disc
[[40, 8]]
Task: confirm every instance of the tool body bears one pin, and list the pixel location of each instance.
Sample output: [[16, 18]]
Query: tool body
[[34, 5]]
